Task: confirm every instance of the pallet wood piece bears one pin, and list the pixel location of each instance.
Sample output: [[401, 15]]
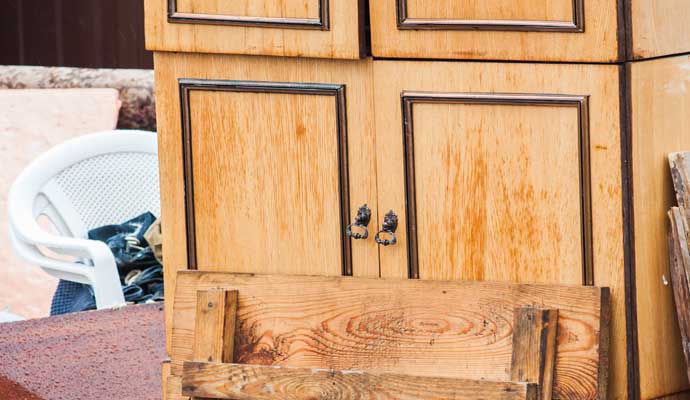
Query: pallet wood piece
[[679, 260], [680, 172], [430, 328], [165, 374], [256, 382], [173, 388], [216, 313], [534, 348]]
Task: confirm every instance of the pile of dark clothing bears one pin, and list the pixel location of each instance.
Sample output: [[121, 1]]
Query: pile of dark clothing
[[141, 275]]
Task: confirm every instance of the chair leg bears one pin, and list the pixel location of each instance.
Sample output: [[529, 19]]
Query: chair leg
[[107, 288]]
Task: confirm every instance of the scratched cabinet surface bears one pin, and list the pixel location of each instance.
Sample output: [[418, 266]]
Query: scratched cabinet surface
[[306, 28]]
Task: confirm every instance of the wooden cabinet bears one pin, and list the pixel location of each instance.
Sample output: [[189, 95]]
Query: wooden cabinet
[[528, 30], [545, 30], [550, 173], [307, 28]]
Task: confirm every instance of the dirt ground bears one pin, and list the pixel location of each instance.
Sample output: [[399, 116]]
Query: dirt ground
[[31, 122]]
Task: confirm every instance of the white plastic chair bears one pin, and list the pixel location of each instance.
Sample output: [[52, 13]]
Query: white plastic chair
[[86, 182]]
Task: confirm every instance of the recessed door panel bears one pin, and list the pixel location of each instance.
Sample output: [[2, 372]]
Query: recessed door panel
[[490, 12], [267, 180], [301, 9], [479, 192]]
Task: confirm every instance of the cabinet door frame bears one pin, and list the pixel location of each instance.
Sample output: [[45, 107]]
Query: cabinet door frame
[[409, 98], [312, 89]]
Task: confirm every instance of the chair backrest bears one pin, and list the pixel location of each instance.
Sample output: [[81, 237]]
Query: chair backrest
[[93, 180]]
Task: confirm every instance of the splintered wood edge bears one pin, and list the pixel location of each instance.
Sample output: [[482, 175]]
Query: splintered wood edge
[[680, 174], [258, 382], [678, 263]]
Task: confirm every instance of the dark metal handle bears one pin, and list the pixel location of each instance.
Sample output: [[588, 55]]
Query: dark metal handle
[[361, 221], [390, 224]]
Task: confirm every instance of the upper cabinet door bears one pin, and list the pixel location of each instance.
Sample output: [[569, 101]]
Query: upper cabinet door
[[306, 28], [492, 170], [272, 161], [548, 30]]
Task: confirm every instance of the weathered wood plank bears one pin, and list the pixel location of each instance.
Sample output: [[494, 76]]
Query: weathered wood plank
[[679, 261], [255, 382], [534, 348], [173, 389], [453, 329], [216, 312], [680, 172]]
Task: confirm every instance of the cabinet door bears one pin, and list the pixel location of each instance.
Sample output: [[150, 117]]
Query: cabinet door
[[490, 169], [546, 30], [264, 163], [306, 28]]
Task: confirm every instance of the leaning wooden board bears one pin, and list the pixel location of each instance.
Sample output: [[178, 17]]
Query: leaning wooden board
[[441, 329], [257, 382]]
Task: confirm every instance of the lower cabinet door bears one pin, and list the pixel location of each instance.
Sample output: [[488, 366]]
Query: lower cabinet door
[[270, 159], [493, 170]]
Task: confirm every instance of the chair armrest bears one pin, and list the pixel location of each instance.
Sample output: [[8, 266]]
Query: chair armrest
[[99, 269]]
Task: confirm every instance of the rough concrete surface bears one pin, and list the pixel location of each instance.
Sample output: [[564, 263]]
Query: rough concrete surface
[[31, 122], [106, 354]]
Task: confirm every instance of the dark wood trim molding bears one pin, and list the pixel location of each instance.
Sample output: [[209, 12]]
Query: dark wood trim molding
[[577, 24], [408, 100], [624, 32], [320, 23], [632, 348], [309, 89]]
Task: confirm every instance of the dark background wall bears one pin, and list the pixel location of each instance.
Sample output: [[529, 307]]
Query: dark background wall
[[73, 33]]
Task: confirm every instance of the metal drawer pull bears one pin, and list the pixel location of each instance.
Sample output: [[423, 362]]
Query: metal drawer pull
[[390, 224], [361, 221]]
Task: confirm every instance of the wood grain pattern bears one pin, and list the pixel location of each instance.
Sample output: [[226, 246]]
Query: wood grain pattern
[[253, 8], [254, 382], [344, 39], [273, 204], [600, 21], [679, 258], [659, 27], [214, 329], [165, 374], [355, 75], [399, 326], [173, 388], [534, 348], [660, 125], [470, 161], [684, 395]]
